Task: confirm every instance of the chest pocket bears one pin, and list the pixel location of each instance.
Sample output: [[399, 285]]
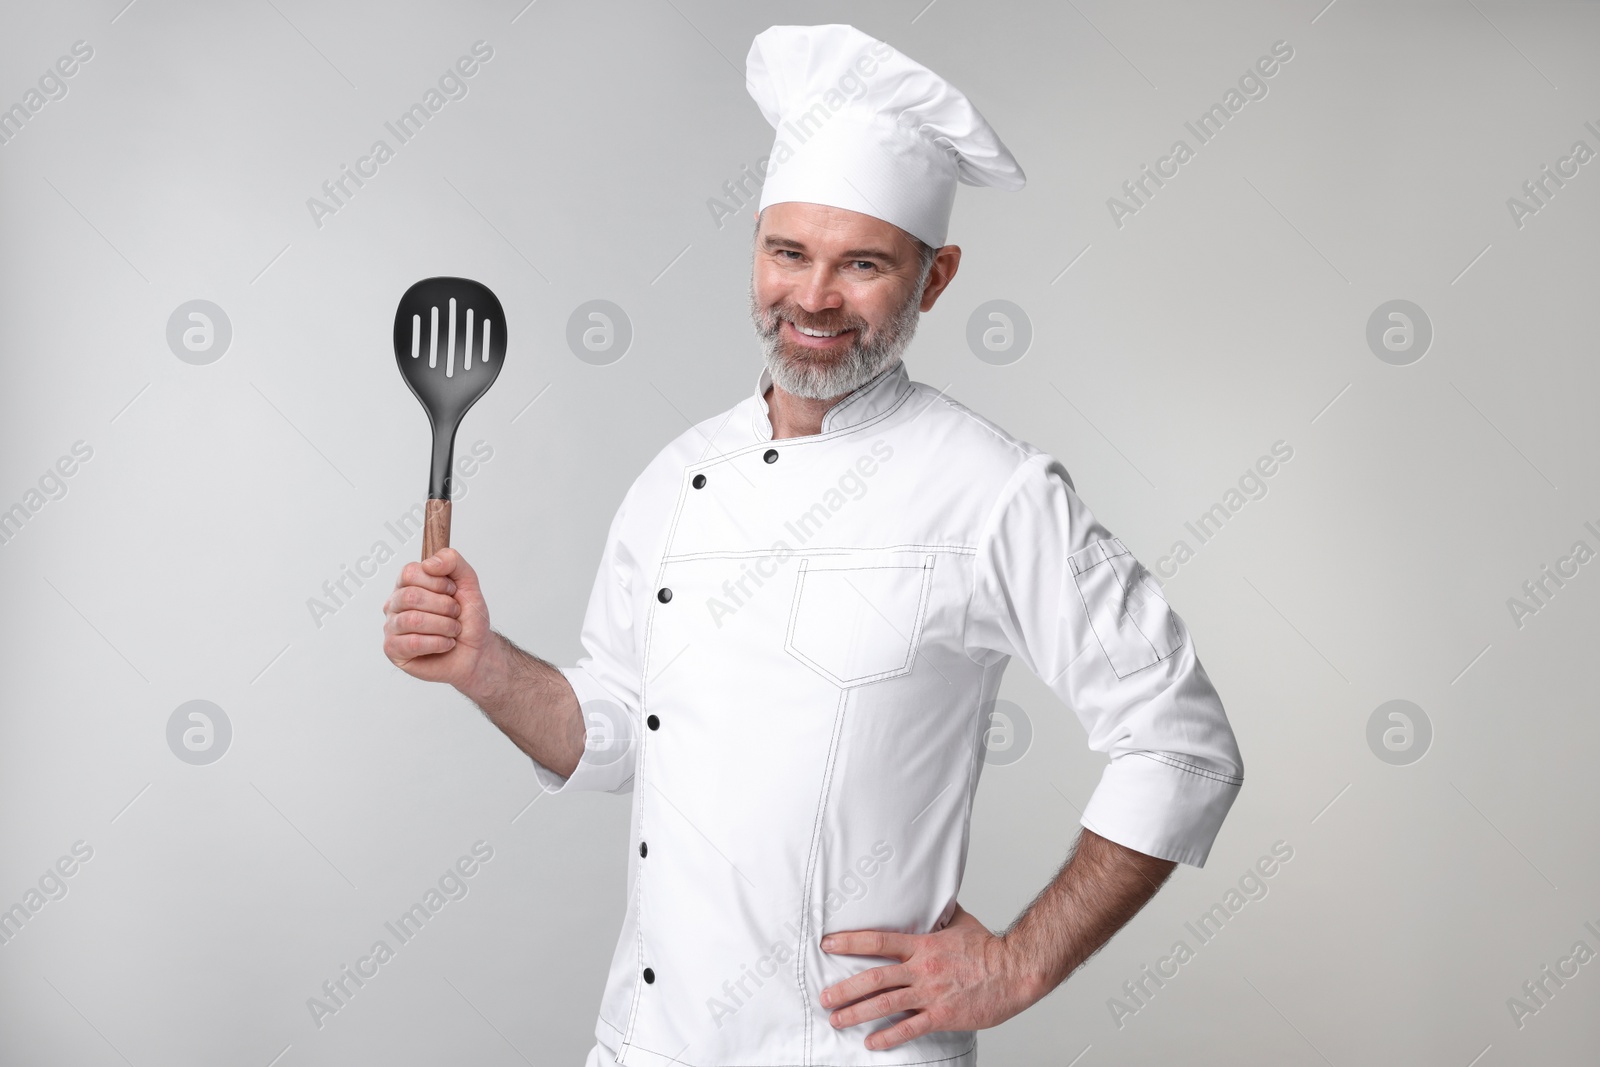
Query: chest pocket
[[1127, 612], [858, 618]]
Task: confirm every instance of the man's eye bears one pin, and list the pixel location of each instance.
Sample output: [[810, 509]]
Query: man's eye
[[867, 263]]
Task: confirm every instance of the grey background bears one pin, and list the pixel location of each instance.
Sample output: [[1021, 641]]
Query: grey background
[[1229, 313]]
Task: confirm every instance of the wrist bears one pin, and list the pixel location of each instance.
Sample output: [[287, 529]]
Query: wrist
[[487, 679], [1028, 974]]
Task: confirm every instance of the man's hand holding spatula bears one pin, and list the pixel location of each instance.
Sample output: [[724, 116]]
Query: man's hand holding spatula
[[450, 343]]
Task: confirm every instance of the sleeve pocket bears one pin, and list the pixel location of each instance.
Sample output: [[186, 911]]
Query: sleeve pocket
[[1125, 608]]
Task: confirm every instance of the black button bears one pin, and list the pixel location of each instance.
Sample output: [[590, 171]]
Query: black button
[[653, 722], [664, 595], [644, 849], [771, 455], [649, 976], [699, 481]]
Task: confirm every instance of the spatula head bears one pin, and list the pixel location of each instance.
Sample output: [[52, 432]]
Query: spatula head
[[450, 341]]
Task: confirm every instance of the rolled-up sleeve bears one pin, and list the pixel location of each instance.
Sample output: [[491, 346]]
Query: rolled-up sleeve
[[606, 677], [1053, 588]]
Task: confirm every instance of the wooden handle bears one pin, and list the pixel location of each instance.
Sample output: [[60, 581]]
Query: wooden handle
[[435, 527]]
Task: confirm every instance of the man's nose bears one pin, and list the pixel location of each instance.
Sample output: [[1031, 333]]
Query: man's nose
[[818, 291]]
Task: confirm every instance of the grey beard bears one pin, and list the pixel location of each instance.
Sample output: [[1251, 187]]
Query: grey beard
[[866, 356]]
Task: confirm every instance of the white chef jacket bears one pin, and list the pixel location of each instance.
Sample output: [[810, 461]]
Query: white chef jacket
[[790, 654]]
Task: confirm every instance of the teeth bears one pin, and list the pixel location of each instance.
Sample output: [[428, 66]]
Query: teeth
[[816, 333]]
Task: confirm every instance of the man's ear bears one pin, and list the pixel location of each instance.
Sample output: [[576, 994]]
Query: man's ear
[[946, 260]]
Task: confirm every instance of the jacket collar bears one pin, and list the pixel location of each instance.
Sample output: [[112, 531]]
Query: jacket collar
[[866, 401]]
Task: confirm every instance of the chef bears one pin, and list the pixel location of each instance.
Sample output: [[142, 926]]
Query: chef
[[803, 612]]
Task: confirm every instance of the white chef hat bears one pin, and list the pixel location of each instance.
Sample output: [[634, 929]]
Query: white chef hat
[[863, 127]]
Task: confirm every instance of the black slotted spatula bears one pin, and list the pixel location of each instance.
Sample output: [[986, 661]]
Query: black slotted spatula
[[450, 341]]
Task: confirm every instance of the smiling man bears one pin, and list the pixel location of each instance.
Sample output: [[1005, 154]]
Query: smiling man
[[827, 330], [797, 633]]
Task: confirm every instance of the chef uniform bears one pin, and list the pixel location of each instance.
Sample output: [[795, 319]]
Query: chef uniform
[[792, 649]]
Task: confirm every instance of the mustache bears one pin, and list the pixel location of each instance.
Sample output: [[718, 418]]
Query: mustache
[[772, 320]]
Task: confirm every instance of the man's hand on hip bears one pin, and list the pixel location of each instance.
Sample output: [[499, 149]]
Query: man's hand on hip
[[961, 977]]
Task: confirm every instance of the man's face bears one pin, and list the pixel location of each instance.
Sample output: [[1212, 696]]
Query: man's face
[[836, 272]]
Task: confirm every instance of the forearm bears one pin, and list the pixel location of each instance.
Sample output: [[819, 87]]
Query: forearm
[[531, 702], [1100, 887]]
